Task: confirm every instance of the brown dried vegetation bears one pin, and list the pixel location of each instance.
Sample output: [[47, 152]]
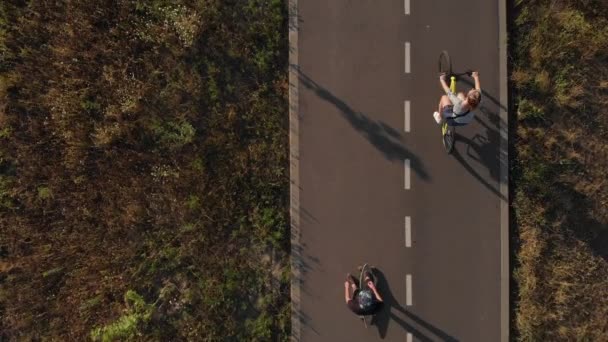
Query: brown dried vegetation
[[143, 170], [560, 55]]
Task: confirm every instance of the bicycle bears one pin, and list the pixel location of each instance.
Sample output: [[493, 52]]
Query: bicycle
[[448, 132], [363, 287]]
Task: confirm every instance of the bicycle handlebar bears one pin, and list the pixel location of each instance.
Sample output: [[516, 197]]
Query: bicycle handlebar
[[468, 73]]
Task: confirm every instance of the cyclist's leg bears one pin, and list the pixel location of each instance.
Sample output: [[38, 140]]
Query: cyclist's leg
[[443, 101], [452, 122], [447, 112]]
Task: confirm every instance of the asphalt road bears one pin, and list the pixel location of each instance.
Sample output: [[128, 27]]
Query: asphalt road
[[354, 190]]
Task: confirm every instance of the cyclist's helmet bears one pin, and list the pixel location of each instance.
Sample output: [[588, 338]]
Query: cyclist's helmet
[[366, 299]]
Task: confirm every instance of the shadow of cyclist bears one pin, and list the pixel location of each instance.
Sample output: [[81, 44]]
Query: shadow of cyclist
[[483, 150], [383, 137], [382, 319]]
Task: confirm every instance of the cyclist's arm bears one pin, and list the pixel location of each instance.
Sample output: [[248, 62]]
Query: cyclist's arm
[[476, 78], [444, 85], [346, 295], [378, 297]]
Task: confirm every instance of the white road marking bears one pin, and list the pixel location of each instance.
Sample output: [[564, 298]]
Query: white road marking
[[408, 290], [407, 174], [409, 337], [406, 4], [408, 231], [407, 57], [406, 113]]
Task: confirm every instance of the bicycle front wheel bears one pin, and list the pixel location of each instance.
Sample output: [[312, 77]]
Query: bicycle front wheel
[[445, 65]]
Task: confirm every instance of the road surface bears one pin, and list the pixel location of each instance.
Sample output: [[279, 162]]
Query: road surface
[[372, 182]]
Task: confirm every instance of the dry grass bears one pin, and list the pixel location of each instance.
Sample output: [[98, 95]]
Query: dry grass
[[559, 73], [143, 170]]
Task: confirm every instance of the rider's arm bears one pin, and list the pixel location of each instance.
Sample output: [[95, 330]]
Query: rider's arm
[[378, 297], [346, 295], [444, 85], [475, 76]]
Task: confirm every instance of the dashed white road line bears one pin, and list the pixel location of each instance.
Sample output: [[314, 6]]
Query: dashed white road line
[[408, 231], [406, 113], [408, 290], [407, 57], [406, 174], [406, 128]]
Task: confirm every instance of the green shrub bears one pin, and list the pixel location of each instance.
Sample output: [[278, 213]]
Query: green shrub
[[173, 134]]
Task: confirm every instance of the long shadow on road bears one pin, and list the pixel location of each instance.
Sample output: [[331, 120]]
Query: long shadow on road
[[484, 150], [379, 134], [382, 319]]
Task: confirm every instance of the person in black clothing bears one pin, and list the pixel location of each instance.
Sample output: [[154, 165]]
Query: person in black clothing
[[362, 302]]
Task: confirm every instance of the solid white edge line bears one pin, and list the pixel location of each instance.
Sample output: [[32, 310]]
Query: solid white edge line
[[406, 174], [407, 57], [408, 231], [406, 5], [409, 337], [406, 110], [408, 290]]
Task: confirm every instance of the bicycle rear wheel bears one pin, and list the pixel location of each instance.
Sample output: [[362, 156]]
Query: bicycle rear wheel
[[448, 137], [445, 65]]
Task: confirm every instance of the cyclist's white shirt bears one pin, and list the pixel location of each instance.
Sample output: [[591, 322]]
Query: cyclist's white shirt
[[457, 109]]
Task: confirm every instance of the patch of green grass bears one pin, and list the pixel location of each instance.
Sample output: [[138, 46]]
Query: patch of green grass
[[4, 22], [261, 327], [271, 226], [52, 272], [5, 132], [527, 110], [90, 105], [188, 227], [128, 326], [193, 202], [6, 197], [91, 304], [44, 192], [173, 134], [198, 164]]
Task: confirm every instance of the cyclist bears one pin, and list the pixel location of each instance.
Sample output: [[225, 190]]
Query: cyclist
[[362, 302], [458, 109]]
